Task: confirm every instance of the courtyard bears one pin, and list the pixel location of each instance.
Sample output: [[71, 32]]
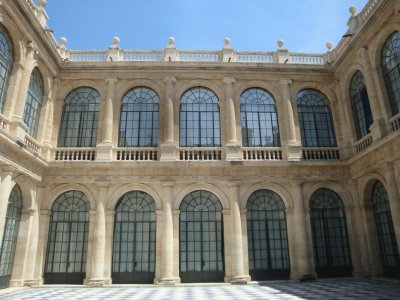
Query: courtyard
[[341, 288]]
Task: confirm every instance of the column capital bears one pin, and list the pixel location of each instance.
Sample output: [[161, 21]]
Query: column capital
[[111, 80], [229, 80], [17, 66], [297, 183], [28, 211], [168, 184], [168, 79], [234, 184], [285, 81]]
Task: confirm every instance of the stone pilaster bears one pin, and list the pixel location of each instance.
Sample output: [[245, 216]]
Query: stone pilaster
[[40, 267], [232, 147], [378, 128], [394, 200], [292, 144], [5, 190], [104, 149], [168, 147], [167, 256]]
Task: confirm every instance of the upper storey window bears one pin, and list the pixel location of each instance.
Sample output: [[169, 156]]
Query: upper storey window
[[315, 119], [6, 61], [199, 121], [258, 118], [391, 70], [80, 118], [362, 115], [139, 120], [33, 103]]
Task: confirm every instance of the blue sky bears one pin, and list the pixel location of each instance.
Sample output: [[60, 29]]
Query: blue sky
[[252, 25]]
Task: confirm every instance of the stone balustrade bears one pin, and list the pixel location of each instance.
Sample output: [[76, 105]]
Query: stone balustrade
[[321, 153], [307, 59], [197, 154], [259, 57], [31, 144], [74, 154], [394, 123], [86, 56], [142, 55], [136, 154], [262, 153], [193, 55], [363, 144]]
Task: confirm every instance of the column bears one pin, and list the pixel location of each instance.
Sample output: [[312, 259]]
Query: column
[[104, 149], [303, 243], [237, 242], [13, 90], [378, 127], [167, 256], [232, 146], [292, 144], [17, 125], [40, 267], [99, 238], [168, 147], [5, 190]]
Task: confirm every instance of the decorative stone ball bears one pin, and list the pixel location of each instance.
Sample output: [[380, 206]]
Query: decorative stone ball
[[329, 45], [42, 3], [63, 41], [280, 44], [171, 41], [115, 40], [227, 42], [353, 10]]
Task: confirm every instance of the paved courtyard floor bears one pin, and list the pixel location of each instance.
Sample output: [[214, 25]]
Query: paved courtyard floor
[[349, 288]]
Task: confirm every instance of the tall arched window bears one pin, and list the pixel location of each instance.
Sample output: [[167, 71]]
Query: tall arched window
[[362, 115], [6, 62], [199, 123], [386, 234], [267, 236], [390, 61], [80, 118], [134, 247], [329, 232], [315, 118], [259, 119], [68, 239], [33, 103], [139, 120], [201, 252], [10, 234]]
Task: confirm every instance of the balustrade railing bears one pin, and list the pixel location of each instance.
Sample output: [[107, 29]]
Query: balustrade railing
[[74, 154], [84, 56], [197, 154], [262, 154], [138, 55], [363, 144], [136, 154], [3, 123], [263, 57], [307, 59], [31, 144], [195, 55], [394, 123], [321, 154]]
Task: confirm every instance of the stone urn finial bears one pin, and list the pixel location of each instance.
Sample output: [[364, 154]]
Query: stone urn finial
[[280, 44], [63, 42], [329, 46], [115, 43], [227, 43], [171, 42], [42, 3], [353, 10]]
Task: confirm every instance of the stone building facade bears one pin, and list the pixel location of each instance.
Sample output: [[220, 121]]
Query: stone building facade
[[171, 166]]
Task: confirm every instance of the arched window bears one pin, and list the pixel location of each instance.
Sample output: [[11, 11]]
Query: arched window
[[6, 62], [139, 120], [390, 61], [68, 239], [10, 234], [329, 232], [259, 119], [315, 118], [33, 103], [200, 238], [134, 247], [362, 115], [199, 123], [80, 118], [267, 236], [386, 234]]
